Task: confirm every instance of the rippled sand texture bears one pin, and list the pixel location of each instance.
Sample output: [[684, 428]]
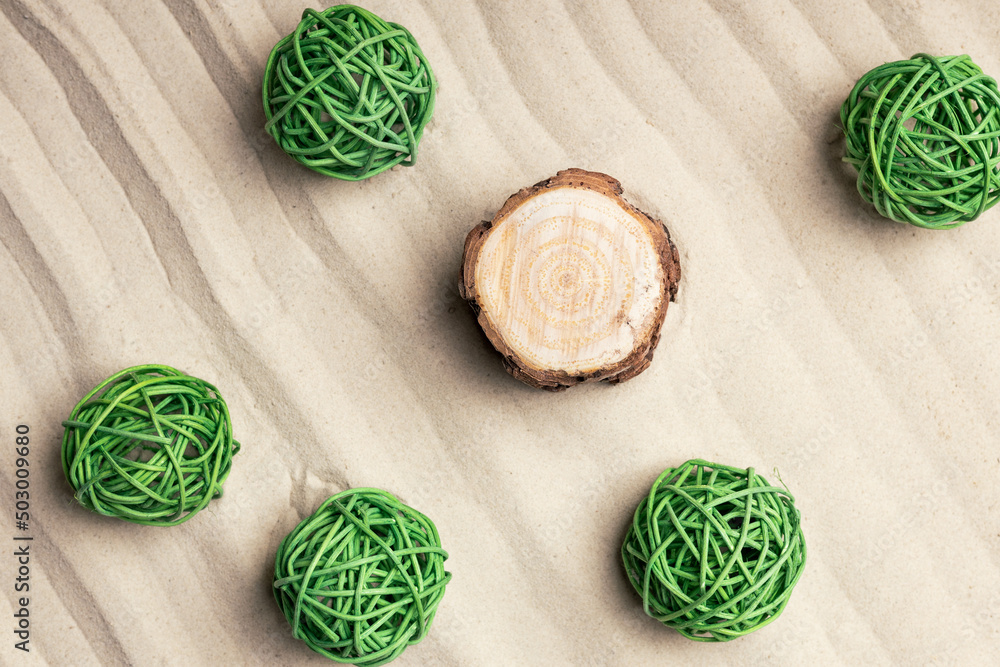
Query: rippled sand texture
[[145, 216]]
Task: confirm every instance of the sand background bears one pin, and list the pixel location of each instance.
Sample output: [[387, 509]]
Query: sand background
[[146, 217]]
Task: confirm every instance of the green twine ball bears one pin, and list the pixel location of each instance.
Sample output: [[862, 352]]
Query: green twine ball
[[714, 551], [924, 136], [348, 94], [149, 445], [361, 579]]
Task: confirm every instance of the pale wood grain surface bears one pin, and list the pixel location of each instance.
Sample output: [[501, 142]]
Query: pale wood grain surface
[[146, 217]]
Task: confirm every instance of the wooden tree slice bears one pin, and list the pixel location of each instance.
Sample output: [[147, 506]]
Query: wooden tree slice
[[570, 282]]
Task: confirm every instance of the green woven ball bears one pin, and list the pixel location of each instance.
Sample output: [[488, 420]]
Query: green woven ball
[[149, 445], [924, 136], [714, 551], [361, 579], [348, 94]]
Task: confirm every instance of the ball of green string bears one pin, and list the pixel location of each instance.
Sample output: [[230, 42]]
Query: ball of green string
[[361, 579], [348, 94], [924, 135], [714, 551], [149, 445]]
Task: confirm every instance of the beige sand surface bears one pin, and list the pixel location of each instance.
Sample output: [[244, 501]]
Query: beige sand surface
[[145, 216]]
